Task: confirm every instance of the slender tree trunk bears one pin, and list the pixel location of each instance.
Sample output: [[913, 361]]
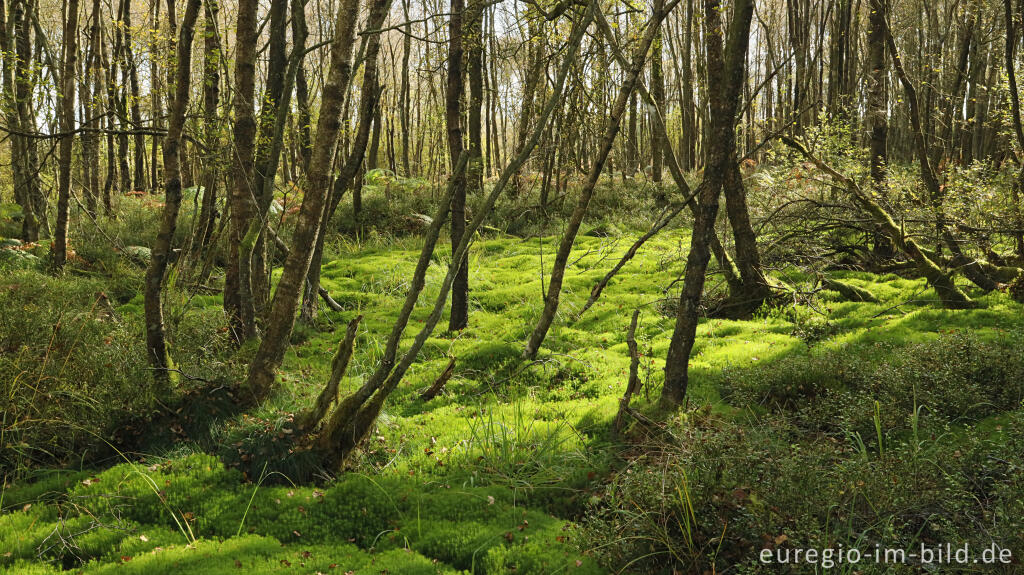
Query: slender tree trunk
[[453, 120], [658, 93], [403, 112], [132, 73], [353, 164], [107, 74], [551, 300], [211, 126], [532, 80], [238, 299], [69, 60], [265, 166], [1018, 183], [281, 320], [877, 116], [156, 346], [91, 139]]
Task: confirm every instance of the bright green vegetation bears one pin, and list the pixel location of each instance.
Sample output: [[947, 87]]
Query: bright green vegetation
[[819, 422]]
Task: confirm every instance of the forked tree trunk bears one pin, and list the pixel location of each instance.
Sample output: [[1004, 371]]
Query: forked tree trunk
[[725, 82]]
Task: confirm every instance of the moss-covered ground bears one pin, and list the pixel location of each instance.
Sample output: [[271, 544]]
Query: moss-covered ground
[[495, 474]]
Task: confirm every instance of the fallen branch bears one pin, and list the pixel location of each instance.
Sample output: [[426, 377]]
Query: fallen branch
[[435, 388], [848, 291], [951, 295]]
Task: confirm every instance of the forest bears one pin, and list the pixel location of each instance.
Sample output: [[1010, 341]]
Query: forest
[[511, 286]]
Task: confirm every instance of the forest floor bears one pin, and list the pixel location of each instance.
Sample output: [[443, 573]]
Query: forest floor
[[514, 468]]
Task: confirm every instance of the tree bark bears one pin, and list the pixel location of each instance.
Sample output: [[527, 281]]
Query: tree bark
[[551, 299], [1011, 73], [211, 126], [281, 320], [352, 166], [453, 119], [725, 82], [238, 300], [156, 345], [59, 248]]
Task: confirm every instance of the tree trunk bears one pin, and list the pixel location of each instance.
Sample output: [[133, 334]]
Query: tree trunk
[[1018, 183], [238, 299], [551, 300], [531, 82], [59, 248], [876, 117], [658, 93], [453, 119], [260, 381], [156, 347], [266, 166], [211, 126], [725, 82], [353, 163]]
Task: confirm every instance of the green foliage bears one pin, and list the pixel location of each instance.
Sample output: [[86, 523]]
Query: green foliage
[[816, 406]]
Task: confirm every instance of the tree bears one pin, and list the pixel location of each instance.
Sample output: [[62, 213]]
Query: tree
[[611, 130], [59, 248], [725, 82], [281, 319], [156, 345], [453, 119]]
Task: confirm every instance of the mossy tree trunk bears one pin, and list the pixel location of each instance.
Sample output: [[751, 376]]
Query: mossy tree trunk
[[211, 126], [368, 103], [281, 319], [971, 268]]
